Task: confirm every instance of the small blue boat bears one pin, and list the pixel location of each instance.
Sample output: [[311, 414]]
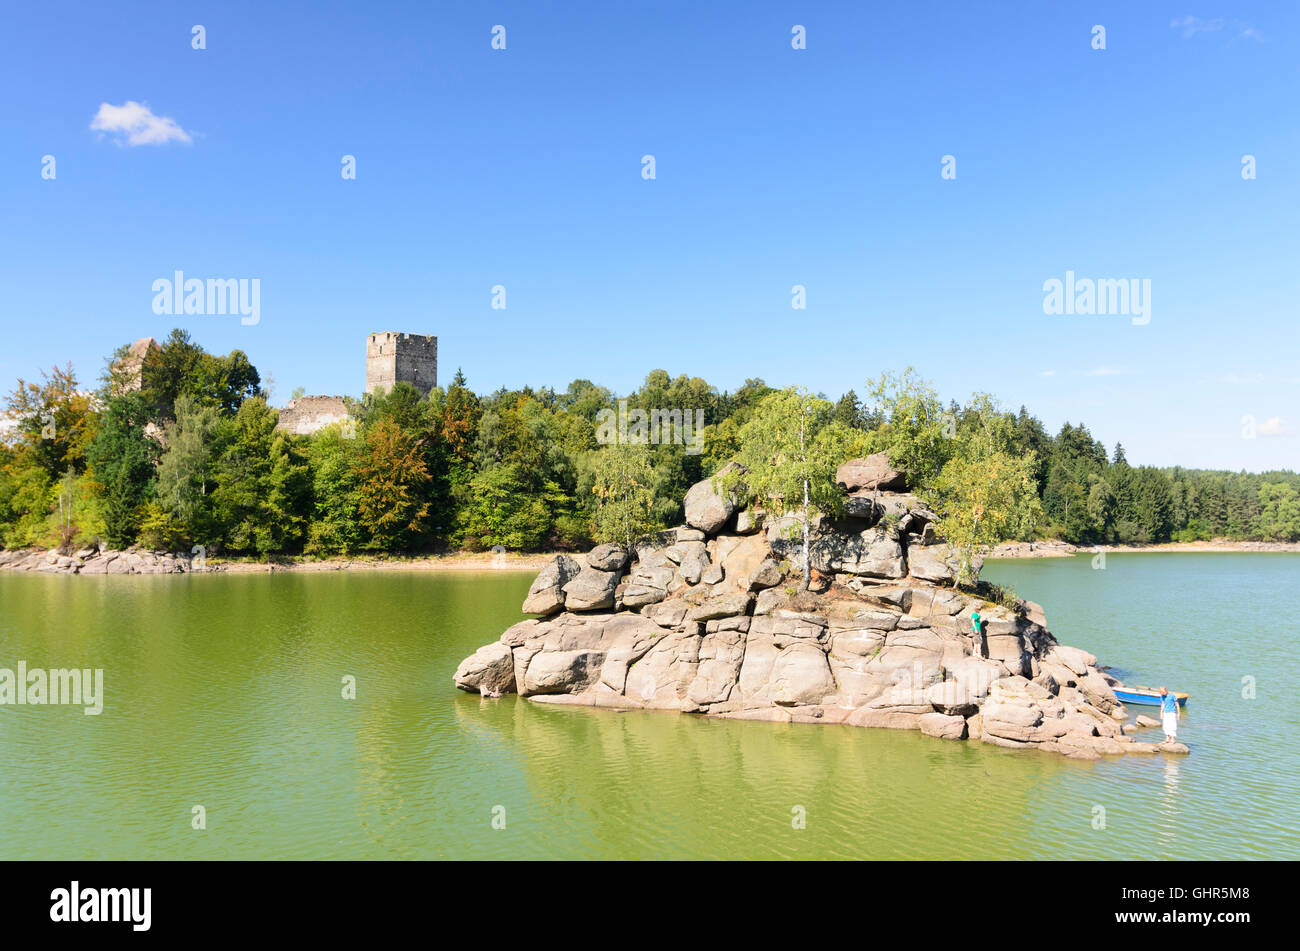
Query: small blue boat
[[1146, 696]]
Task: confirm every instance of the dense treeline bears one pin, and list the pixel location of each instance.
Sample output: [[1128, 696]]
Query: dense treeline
[[179, 448], [1091, 498]]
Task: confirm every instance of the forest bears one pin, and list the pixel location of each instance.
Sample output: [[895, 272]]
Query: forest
[[181, 449]]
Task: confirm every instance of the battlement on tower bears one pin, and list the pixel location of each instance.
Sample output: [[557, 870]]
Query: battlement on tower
[[393, 358]]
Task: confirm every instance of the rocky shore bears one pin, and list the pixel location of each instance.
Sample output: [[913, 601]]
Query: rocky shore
[[143, 561], [1050, 548], [96, 561], [710, 619]]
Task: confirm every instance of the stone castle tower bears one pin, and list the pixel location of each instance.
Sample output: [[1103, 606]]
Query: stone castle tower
[[401, 358]]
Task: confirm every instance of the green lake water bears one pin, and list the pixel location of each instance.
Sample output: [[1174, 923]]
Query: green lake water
[[225, 691]]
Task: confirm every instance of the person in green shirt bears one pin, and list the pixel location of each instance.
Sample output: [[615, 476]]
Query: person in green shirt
[[977, 632]]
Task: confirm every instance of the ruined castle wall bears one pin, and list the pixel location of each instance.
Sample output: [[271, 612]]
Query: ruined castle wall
[[310, 414]]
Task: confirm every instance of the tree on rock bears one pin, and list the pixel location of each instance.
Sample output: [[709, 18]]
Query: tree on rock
[[914, 429], [624, 491], [984, 494], [789, 449]]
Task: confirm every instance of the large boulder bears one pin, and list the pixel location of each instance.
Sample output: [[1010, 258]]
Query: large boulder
[[861, 615], [873, 553], [975, 676], [560, 671], [938, 564], [708, 509], [918, 651], [1099, 693], [490, 670], [870, 472], [608, 557], [740, 557], [863, 505], [591, 590], [766, 575], [899, 504], [694, 563], [662, 678], [94, 566], [787, 530], [943, 726], [721, 652], [801, 675], [1077, 661], [1013, 720], [858, 675], [723, 605], [650, 581], [546, 596], [670, 613], [952, 698]]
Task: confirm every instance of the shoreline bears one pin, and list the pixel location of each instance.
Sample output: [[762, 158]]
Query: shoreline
[[1058, 549], [458, 561], [142, 561], [137, 561]]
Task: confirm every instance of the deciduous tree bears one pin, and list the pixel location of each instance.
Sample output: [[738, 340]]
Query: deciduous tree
[[790, 448]]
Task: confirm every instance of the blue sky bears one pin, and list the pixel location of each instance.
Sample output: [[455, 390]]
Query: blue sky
[[775, 167]]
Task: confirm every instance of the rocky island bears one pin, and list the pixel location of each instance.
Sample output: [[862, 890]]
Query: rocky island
[[712, 619]]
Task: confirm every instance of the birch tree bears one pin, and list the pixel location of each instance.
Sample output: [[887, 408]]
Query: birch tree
[[790, 448], [984, 494], [624, 491]]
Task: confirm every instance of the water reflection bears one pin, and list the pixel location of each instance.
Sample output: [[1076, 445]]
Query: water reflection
[[667, 784]]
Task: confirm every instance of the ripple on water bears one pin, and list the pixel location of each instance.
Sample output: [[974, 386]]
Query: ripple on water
[[226, 692]]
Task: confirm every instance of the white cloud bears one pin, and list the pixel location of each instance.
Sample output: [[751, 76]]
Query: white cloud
[[1104, 371], [1047, 373], [1193, 25], [133, 123], [1190, 26], [1271, 427]]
